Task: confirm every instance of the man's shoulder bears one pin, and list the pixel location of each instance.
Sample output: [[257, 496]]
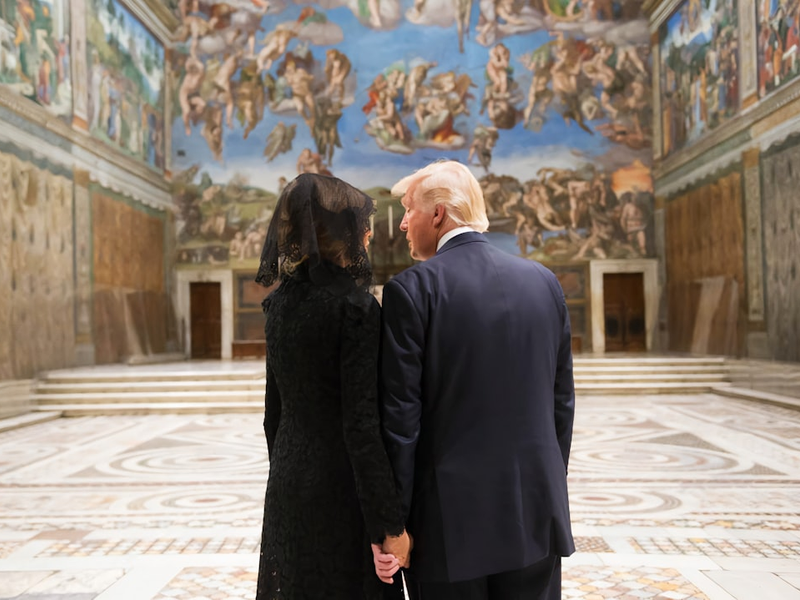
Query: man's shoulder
[[411, 277], [529, 269]]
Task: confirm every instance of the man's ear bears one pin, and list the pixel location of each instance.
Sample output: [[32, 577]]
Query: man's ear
[[439, 215]]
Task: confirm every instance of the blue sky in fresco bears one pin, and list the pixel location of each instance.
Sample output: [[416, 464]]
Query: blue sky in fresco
[[134, 30], [700, 36], [519, 152]]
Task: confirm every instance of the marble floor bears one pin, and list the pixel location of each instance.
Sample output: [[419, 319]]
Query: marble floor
[[672, 497]]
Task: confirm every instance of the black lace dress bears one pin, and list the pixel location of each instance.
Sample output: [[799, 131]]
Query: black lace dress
[[331, 489]]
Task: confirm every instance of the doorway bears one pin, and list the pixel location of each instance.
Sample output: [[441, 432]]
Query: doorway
[[623, 309], [206, 319]]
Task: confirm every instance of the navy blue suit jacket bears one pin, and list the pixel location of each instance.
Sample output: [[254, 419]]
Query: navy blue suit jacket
[[477, 409]]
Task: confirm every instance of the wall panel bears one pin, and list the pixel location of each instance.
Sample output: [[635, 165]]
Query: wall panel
[[705, 269], [781, 221], [36, 269], [130, 304]]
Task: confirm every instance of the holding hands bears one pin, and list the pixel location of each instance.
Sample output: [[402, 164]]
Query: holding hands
[[393, 554]]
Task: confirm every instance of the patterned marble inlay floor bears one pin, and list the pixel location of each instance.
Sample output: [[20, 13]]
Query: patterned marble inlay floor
[[671, 496]]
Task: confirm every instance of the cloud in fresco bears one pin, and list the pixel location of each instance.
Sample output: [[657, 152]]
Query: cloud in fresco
[[619, 155], [491, 31], [435, 12], [320, 34], [211, 45], [525, 164], [389, 11], [632, 32]]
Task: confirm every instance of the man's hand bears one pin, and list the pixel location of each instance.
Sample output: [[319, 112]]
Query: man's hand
[[386, 565], [400, 546]]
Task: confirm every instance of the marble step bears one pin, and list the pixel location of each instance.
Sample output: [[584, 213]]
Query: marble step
[[31, 418], [114, 387], [122, 408], [156, 398], [648, 378], [653, 388], [147, 391], [661, 358], [211, 406], [629, 368], [732, 391], [121, 376]]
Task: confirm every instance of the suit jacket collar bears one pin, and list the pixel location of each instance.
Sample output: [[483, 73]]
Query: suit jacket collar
[[461, 239]]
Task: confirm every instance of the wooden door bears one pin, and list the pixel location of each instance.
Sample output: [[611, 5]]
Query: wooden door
[[206, 315], [623, 303]]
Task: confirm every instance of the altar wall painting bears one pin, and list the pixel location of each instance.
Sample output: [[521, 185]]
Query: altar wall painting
[[36, 267], [699, 47], [778, 43], [547, 101], [126, 82], [35, 52]]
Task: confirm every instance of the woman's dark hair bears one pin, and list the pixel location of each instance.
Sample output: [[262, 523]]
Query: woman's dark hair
[[319, 221]]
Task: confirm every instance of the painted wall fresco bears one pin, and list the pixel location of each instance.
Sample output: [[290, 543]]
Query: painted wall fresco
[[548, 102], [126, 82], [699, 70], [35, 51], [778, 43], [36, 267]]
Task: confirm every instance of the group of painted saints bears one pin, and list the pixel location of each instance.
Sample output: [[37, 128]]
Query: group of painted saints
[[229, 79]]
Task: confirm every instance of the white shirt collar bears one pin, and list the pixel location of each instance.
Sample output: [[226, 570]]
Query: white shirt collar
[[451, 234]]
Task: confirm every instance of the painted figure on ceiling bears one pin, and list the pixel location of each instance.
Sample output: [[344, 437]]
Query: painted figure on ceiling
[[191, 101], [279, 140]]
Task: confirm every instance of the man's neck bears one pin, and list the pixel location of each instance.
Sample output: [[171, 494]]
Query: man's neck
[[450, 233]]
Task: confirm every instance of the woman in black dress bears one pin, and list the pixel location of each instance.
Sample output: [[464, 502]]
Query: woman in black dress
[[331, 490]]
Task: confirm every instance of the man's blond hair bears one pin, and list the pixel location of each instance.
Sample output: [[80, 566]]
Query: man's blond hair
[[451, 184]]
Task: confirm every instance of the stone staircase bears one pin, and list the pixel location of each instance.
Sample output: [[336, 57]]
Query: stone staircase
[[238, 386], [185, 387], [647, 374]]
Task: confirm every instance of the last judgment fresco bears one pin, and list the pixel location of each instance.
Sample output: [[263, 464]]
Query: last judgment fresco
[[548, 101]]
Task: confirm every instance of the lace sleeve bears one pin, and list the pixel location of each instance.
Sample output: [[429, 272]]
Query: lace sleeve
[[375, 483]]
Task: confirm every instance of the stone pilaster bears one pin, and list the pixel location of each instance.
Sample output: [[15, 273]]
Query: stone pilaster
[[80, 75], [84, 340], [748, 58], [756, 336], [655, 55]]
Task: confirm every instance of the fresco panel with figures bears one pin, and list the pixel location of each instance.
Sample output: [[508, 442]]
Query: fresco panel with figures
[[126, 82], [34, 52], [778, 43], [548, 101], [699, 70]]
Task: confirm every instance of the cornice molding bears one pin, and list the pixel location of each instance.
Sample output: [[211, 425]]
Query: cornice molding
[[105, 165], [779, 133], [741, 123], [664, 188], [38, 115], [659, 11], [155, 16]]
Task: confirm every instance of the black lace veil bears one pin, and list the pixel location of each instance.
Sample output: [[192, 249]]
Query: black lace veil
[[319, 225]]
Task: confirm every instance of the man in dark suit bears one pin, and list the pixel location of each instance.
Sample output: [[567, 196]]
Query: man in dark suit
[[478, 401]]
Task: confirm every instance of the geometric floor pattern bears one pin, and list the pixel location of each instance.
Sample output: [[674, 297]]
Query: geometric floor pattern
[[672, 497]]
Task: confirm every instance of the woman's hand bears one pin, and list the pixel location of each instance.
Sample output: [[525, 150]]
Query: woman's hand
[[400, 546], [386, 565]]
